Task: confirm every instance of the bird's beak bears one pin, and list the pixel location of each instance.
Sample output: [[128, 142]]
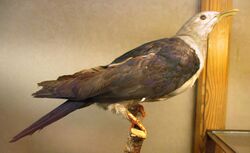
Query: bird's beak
[[227, 13]]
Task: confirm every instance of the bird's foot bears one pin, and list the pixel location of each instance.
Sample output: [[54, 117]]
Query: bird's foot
[[137, 129], [138, 110], [138, 133]]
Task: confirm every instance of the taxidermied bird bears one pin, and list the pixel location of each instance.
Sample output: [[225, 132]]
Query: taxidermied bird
[[151, 72]]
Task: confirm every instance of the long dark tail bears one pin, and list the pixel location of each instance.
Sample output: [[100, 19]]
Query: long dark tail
[[56, 114]]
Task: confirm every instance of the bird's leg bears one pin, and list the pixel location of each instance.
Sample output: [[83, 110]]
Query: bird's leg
[[132, 113], [140, 131], [137, 132], [141, 110], [137, 110]]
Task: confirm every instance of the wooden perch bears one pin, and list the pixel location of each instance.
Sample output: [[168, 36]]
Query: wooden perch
[[134, 143]]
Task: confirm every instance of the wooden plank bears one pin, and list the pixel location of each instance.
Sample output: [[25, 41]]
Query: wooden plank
[[212, 85]]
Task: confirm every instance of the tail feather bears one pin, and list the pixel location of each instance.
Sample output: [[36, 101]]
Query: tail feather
[[45, 92], [47, 83], [56, 114], [48, 89]]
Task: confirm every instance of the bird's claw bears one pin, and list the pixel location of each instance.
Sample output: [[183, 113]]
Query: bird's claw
[[142, 111], [137, 129], [138, 133]]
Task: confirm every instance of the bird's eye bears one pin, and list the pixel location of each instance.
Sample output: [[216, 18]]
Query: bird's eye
[[203, 17]]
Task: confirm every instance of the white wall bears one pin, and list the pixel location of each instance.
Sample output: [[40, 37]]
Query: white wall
[[238, 115], [42, 39]]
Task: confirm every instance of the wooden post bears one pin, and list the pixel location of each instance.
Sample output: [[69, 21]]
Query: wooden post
[[212, 85]]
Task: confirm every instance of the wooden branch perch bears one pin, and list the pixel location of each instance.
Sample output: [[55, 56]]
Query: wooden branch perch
[[134, 143]]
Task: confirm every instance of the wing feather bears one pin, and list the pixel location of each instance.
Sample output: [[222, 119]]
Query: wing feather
[[151, 70]]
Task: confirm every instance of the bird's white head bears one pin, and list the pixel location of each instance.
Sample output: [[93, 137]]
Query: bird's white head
[[201, 24]]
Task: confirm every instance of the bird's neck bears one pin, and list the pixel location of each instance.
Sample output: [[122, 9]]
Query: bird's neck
[[195, 35], [199, 45]]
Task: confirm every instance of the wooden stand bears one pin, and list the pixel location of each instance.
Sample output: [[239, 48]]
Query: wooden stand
[[212, 84]]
